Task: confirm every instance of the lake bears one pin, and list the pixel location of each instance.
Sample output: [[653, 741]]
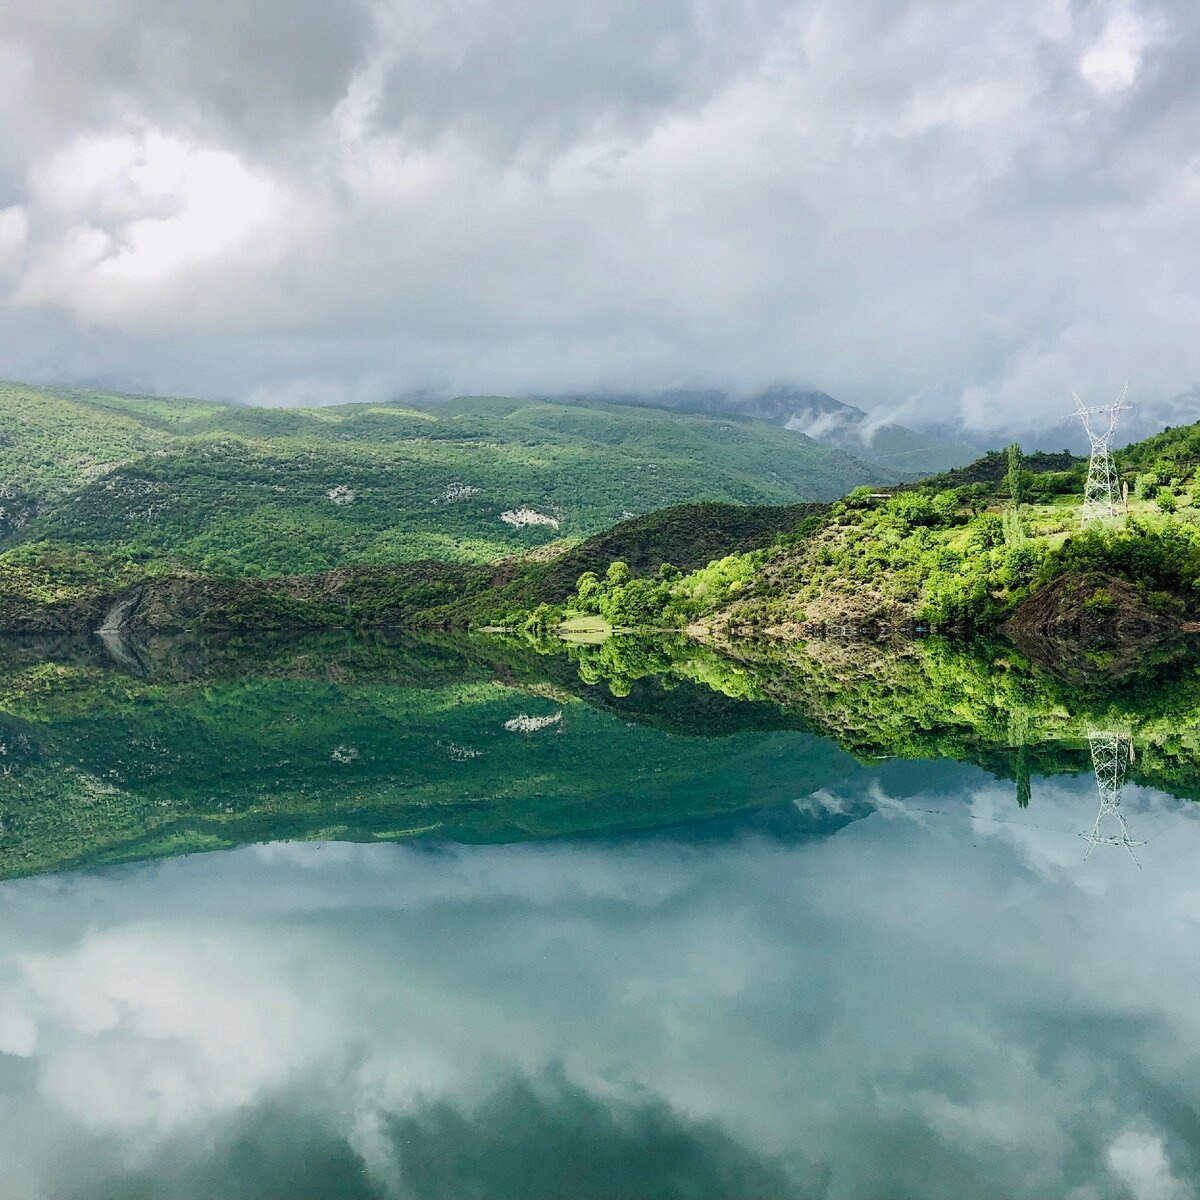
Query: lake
[[345, 918]]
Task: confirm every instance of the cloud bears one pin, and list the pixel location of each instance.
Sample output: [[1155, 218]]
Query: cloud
[[14, 229], [1139, 1161], [1111, 63], [139, 212], [247, 73], [970, 213]]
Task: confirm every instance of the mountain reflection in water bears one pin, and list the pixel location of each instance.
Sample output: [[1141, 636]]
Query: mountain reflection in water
[[710, 954]]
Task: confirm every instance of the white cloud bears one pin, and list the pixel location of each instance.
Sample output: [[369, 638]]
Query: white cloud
[[140, 213], [1139, 1161], [1112, 62]]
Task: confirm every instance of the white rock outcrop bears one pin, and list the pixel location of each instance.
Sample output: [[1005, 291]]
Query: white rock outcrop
[[528, 724], [520, 517]]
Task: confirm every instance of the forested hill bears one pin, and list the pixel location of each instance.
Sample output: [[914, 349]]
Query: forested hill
[[233, 490], [998, 542]]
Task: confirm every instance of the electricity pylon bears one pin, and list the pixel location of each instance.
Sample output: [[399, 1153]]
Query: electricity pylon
[[1112, 753], [1102, 492]]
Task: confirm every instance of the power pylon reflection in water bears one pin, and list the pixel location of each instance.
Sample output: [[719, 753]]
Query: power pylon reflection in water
[[1112, 752]]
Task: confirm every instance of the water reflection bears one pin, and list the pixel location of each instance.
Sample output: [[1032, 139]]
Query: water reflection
[[1112, 753], [176, 745], [766, 969]]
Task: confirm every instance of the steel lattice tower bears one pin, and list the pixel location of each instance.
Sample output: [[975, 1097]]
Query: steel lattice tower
[[1102, 492], [1112, 753]]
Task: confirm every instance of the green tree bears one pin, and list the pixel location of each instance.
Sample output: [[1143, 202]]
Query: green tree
[[1014, 527], [589, 592], [987, 531], [639, 604], [1015, 460], [543, 620], [618, 574], [945, 507]]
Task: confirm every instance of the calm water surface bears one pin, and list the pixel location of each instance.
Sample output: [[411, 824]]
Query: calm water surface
[[838, 980]]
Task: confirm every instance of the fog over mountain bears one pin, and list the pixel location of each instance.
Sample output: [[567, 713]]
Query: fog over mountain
[[949, 214]]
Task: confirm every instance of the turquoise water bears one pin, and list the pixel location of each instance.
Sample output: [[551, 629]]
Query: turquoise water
[[844, 980]]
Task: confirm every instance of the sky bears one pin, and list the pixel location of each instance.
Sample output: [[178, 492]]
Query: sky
[[886, 1011], [953, 212]]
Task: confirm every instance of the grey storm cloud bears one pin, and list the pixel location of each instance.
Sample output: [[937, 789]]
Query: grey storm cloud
[[248, 72], [956, 211]]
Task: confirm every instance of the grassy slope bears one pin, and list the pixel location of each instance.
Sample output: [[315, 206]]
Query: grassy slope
[[245, 491], [52, 442]]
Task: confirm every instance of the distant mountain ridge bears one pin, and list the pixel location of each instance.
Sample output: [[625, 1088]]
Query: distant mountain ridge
[[818, 415], [235, 490]]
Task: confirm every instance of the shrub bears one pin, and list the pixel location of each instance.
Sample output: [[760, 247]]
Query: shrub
[[987, 531], [1166, 558]]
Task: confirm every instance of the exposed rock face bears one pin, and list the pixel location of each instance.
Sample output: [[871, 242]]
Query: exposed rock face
[[1087, 622], [458, 492], [1098, 610], [520, 517], [529, 724]]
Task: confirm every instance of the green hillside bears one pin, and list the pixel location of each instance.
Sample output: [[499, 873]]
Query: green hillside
[[244, 491], [960, 552], [169, 536], [46, 588]]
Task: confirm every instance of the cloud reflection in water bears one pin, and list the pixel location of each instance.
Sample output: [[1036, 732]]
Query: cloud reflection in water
[[944, 1007]]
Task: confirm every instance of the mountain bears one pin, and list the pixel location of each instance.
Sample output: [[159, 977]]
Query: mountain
[[907, 453], [236, 490], [964, 552]]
